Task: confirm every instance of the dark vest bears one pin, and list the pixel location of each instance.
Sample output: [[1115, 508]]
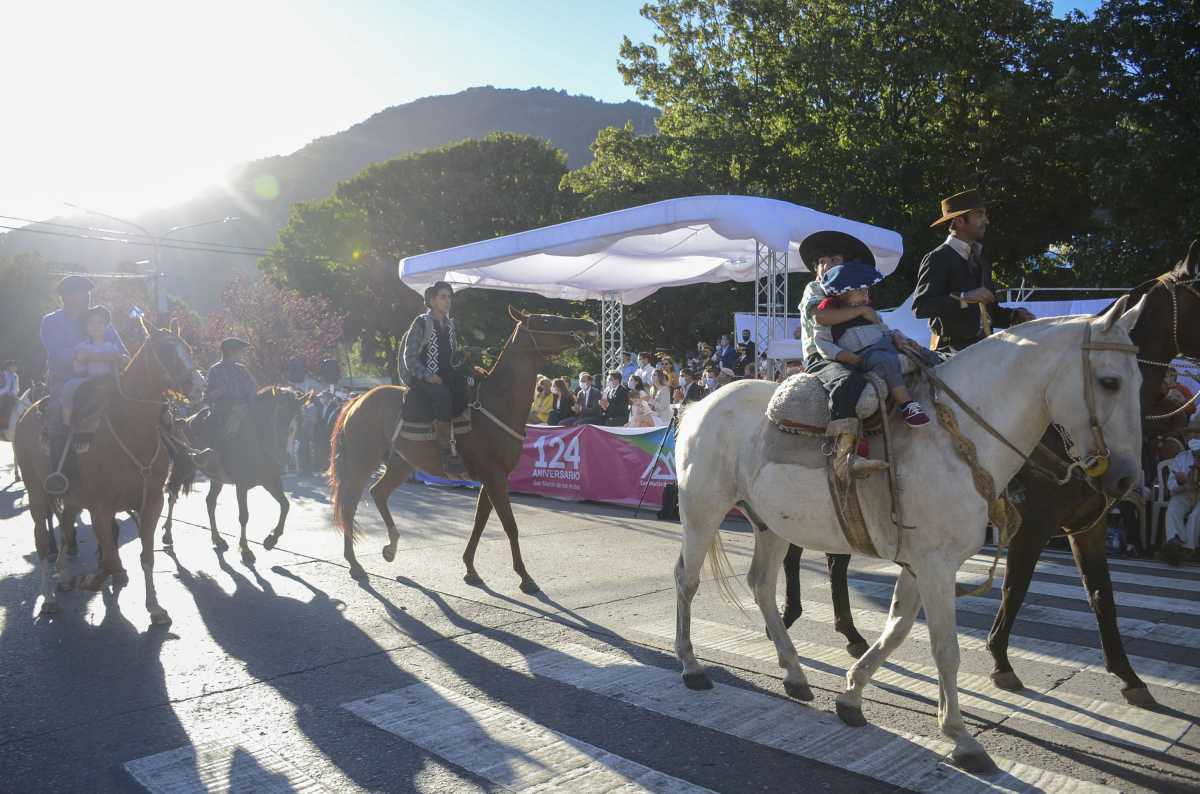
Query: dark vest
[[943, 272]]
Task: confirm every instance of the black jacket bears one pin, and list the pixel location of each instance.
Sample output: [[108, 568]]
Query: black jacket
[[592, 411], [617, 412], [944, 272], [693, 393]]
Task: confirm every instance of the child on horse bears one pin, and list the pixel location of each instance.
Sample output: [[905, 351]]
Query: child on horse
[[429, 361], [864, 342], [96, 357]]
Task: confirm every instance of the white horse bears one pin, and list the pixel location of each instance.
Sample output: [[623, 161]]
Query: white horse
[[19, 407], [1020, 381]]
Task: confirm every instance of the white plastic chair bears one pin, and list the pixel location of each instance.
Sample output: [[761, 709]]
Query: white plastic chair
[[1159, 498]]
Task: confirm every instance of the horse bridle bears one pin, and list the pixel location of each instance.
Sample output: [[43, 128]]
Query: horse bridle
[[1169, 282], [171, 375], [521, 326]]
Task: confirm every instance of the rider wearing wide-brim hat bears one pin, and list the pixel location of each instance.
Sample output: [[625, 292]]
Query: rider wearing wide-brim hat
[[230, 389], [954, 282], [430, 361], [821, 252]]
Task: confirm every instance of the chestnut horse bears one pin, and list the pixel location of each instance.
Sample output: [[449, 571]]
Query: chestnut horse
[[123, 471], [1168, 328], [364, 429], [255, 456]]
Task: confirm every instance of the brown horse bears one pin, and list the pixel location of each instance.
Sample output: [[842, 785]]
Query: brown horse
[[124, 470], [1169, 327], [364, 429], [254, 457]]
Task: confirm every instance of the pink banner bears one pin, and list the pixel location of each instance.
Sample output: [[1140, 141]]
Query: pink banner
[[601, 464]]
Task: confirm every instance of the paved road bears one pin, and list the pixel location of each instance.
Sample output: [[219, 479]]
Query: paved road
[[286, 675]]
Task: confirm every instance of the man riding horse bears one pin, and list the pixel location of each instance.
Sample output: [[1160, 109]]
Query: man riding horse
[[429, 367], [230, 389], [62, 331]]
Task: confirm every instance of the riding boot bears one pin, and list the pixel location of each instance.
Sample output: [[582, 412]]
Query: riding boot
[[846, 461], [452, 464]]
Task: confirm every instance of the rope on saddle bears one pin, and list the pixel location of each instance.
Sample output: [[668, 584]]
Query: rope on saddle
[[1002, 513]]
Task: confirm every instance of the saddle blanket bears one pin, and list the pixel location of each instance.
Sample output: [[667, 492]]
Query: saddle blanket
[[800, 404]]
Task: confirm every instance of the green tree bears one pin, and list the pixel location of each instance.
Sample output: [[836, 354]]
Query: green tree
[[27, 295]]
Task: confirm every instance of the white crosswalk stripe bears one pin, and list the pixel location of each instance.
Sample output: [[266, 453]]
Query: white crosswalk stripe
[[897, 758], [233, 765], [501, 746]]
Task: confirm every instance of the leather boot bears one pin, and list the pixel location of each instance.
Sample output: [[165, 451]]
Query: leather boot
[[452, 464], [845, 460]]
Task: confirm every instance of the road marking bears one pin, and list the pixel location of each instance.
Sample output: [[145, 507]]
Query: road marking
[[1131, 628], [228, 765], [893, 757], [1153, 671], [1099, 719], [499, 745], [1119, 577]]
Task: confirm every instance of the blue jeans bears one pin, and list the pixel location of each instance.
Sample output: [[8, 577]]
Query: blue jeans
[[883, 359]]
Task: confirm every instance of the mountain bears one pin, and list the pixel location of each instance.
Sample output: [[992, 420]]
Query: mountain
[[259, 193]]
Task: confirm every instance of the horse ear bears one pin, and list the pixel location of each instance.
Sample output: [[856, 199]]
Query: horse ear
[[1129, 319], [1191, 263], [1113, 314], [517, 315]]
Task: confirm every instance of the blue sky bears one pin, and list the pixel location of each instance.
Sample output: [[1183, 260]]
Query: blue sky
[[139, 103]]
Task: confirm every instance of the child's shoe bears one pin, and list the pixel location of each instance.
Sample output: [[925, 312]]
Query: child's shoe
[[914, 415]]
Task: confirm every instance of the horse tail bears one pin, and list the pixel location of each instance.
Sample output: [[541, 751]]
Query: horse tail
[[357, 445], [343, 498], [721, 569]]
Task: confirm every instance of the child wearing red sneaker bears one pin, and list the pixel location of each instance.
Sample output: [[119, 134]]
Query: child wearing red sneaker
[[864, 341]]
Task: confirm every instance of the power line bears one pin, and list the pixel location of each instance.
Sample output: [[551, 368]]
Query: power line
[[122, 236], [170, 244]]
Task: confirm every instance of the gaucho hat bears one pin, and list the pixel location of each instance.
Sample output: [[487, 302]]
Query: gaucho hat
[[852, 275], [73, 285], [831, 243], [960, 204], [233, 343]]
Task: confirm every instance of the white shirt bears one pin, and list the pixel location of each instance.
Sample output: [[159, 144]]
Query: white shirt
[[963, 248], [1181, 464], [646, 373]]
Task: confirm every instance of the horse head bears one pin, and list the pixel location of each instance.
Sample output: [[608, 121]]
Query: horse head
[[551, 334], [175, 356], [277, 411], [1186, 274], [1104, 431]]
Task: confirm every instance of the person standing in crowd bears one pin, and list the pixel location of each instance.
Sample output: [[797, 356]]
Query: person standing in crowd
[[562, 411], [615, 401], [954, 282], [1176, 394], [10, 391], [710, 379], [587, 402], [640, 412], [1183, 519], [539, 409], [726, 356], [821, 252], [628, 368], [660, 398], [748, 351], [690, 390], [646, 368]]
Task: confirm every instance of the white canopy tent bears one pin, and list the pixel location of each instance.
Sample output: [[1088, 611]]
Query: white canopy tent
[[622, 257]]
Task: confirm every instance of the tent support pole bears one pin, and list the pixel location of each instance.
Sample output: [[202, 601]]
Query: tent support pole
[[612, 334], [770, 303]]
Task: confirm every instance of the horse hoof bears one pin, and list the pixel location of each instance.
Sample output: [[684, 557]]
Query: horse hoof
[[247, 555], [473, 579], [529, 587], [851, 715], [697, 681], [120, 579], [389, 552], [1008, 681], [1139, 696], [270, 541], [168, 542], [50, 608], [160, 618], [977, 762], [857, 649], [790, 617], [219, 543], [357, 572], [798, 691]]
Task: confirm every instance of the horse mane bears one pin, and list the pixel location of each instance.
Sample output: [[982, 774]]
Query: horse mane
[[1135, 295], [512, 335]]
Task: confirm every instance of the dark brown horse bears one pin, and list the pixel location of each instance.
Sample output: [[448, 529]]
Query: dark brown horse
[[123, 471], [1169, 327], [255, 456], [362, 440]]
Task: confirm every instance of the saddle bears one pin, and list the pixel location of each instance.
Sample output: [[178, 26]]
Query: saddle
[[800, 404], [416, 418]]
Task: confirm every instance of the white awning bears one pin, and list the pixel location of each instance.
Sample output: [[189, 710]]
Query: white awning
[[631, 253]]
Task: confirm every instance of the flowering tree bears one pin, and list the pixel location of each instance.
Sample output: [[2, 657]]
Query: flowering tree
[[279, 324]]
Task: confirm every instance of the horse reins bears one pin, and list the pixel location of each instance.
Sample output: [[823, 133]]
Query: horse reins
[[1171, 284]]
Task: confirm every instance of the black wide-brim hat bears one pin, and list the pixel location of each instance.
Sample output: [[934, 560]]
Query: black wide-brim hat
[[73, 285], [830, 243], [960, 204], [233, 343]]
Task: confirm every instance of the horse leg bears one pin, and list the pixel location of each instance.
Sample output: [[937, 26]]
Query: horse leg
[[906, 601], [769, 552], [41, 541], [1023, 553], [147, 521], [172, 497], [1091, 558], [843, 617], [275, 488], [120, 576], [699, 531], [498, 494], [102, 522], [67, 523], [243, 519], [396, 472], [214, 490], [937, 594], [483, 511], [792, 608]]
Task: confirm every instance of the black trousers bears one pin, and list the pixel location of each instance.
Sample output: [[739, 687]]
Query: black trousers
[[844, 384]]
